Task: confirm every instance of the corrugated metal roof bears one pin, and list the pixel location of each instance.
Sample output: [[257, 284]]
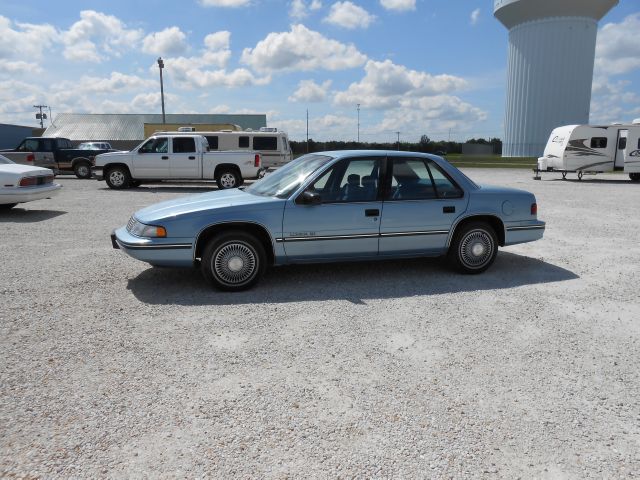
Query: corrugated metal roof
[[130, 126]]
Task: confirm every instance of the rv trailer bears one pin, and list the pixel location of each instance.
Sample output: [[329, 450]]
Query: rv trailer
[[591, 149]]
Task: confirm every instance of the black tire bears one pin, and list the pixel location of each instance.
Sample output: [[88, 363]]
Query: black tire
[[635, 177], [234, 261], [7, 206], [228, 178], [118, 178], [474, 248], [82, 170]]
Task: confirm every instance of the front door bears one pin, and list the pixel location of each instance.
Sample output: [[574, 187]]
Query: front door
[[347, 222], [152, 159], [420, 205], [184, 161]]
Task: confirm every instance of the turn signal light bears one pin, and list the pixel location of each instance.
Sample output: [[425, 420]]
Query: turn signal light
[[256, 160], [161, 232], [534, 209]]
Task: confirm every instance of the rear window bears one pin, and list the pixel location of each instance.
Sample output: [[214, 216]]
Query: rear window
[[599, 142], [213, 142], [265, 143]]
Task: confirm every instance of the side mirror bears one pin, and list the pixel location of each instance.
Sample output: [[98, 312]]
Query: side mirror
[[309, 197]]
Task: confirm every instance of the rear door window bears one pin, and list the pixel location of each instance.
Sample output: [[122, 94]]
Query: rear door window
[[184, 145], [445, 186]]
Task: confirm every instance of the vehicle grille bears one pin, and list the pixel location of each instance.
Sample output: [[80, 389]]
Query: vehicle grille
[[130, 224]]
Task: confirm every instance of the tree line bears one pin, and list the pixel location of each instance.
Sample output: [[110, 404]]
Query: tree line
[[425, 145]]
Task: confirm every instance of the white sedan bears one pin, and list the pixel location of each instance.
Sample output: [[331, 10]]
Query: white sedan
[[23, 183]]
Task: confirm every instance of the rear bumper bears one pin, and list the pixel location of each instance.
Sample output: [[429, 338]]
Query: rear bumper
[[524, 232], [29, 194]]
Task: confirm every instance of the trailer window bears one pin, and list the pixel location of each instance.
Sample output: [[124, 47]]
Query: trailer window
[[213, 142], [622, 143], [265, 143], [243, 142], [599, 142]]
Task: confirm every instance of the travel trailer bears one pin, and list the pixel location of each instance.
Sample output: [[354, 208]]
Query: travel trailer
[[591, 149], [272, 144]]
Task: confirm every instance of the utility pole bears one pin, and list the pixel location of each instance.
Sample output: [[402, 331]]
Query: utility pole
[[307, 130], [358, 106], [41, 116], [398, 133], [161, 66]]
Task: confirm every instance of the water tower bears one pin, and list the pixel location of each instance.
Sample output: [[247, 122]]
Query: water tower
[[552, 47]]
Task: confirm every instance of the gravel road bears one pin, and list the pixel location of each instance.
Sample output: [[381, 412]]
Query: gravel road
[[111, 368]]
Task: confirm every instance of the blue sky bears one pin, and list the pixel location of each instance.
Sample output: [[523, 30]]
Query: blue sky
[[434, 67]]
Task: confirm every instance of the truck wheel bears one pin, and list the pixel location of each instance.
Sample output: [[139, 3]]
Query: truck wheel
[[635, 177], [233, 261], [474, 248], [118, 178], [228, 179], [82, 170]]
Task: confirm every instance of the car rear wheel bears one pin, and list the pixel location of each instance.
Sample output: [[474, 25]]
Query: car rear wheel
[[233, 261], [228, 179], [118, 178], [82, 170], [474, 248], [635, 177]]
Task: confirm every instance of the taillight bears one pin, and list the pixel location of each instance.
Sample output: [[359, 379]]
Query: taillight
[[28, 181], [256, 160], [534, 209], [31, 157]]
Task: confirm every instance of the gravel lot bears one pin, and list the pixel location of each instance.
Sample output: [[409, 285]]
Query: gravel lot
[[112, 368]]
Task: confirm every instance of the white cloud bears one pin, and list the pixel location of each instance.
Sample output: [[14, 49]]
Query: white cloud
[[399, 5], [310, 91], [25, 41], [349, 15], [618, 47], [301, 49], [225, 3], [386, 83], [19, 67], [116, 82], [97, 36], [218, 41], [170, 41], [475, 16]]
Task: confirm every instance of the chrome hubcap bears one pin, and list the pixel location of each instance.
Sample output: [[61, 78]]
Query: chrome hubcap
[[228, 180], [234, 263], [476, 249], [117, 178], [83, 171]]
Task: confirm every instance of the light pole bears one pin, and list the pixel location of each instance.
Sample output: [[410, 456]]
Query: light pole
[[358, 107], [161, 66]]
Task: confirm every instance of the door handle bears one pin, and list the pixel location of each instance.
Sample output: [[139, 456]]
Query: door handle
[[192, 158], [164, 157], [372, 212], [449, 209]]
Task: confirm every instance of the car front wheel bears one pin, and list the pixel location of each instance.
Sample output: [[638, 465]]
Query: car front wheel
[[118, 178], [474, 248], [82, 170], [233, 261]]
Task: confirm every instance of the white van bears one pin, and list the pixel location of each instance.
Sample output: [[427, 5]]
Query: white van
[[593, 149], [272, 145]]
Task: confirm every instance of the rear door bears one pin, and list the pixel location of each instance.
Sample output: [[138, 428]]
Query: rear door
[[152, 159], [421, 203], [184, 161]]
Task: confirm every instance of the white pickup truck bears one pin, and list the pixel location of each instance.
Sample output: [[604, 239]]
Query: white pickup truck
[[176, 157]]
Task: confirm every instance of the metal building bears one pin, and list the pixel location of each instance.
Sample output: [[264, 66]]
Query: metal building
[[125, 131], [12, 135], [550, 72]]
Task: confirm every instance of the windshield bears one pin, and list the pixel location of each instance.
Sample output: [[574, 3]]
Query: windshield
[[285, 180], [4, 160]]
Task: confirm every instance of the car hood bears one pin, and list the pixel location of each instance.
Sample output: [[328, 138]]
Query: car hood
[[229, 200], [111, 154]]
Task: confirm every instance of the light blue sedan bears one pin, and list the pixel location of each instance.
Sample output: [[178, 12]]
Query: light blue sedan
[[334, 206]]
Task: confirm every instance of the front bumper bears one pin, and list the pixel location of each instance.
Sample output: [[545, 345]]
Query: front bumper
[[97, 173], [160, 252]]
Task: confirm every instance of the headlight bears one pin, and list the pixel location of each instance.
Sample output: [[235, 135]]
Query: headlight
[[138, 229]]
